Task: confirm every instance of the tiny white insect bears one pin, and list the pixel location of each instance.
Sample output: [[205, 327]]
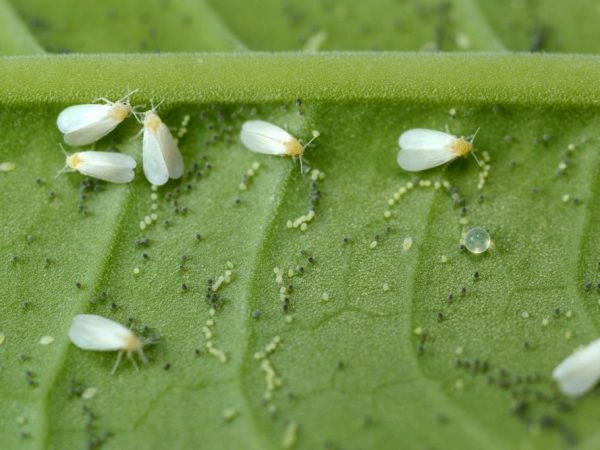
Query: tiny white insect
[[84, 124], [580, 371], [107, 166], [264, 137], [161, 156], [91, 332], [422, 149]]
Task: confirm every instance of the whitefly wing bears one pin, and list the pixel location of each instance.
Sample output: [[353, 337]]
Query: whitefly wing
[[155, 167], [579, 372], [84, 124], [77, 117], [422, 149], [170, 152], [108, 166], [91, 332], [264, 137], [415, 160], [423, 139]]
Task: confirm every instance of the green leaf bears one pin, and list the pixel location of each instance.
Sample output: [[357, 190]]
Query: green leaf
[[379, 346], [15, 39], [116, 26], [211, 25], [360, 364]]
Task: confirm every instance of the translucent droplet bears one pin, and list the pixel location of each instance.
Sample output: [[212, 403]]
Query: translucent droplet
[[477, 240]]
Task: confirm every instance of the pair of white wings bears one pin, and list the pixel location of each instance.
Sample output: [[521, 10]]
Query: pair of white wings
[[84, 124], [91, 332], [108, 166], [161, 156], [422, 149], [264, 137]]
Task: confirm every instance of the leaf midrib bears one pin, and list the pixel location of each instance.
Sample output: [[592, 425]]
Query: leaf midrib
[[475, 78]]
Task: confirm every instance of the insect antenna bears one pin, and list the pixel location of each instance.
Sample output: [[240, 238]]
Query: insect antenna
[[315, 135], [155, 107], [129, 94], [66, 166], [471, 140]]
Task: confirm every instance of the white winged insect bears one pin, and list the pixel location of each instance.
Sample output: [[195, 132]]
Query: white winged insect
[[264, 137], [107, 166], [580, 371], [422, 149], [91, 332], [161, 156], [85, 124]]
